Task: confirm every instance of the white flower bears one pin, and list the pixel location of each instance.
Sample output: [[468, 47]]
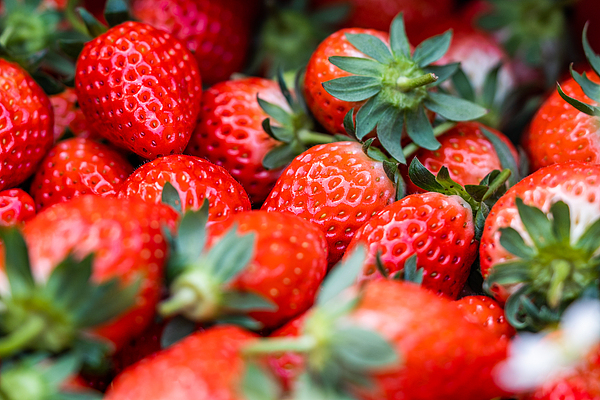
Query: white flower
[[538, 358]]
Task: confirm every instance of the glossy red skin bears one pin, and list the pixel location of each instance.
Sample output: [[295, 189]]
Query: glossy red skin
[[289, 263], [67, 115], [487, 312], [203, 366], [335, 186], [577, 184], [140, 88], [127, 239], [560, 133], [75, 167], [16, 206], [328, 110], [444, 356], [195, 179], [217, 32], [26, 125], [465, 151], [378, 14], [436, 227], [230, 132]]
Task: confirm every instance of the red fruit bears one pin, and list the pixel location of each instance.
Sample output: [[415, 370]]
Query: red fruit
[[195, 179], [230, 132], [289, 262], [328, 110], [127, 239], [335, 186], [560, 133], [555, 254], [26, 123], [485, 311], [217, 32], [465, 151], [378, 14], [439, 229], [68, 115], [16, 206], [140, 88], [75, 167], [204, 366]]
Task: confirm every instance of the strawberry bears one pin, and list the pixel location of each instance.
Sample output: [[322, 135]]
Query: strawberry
[[16, 206], [539, 243], [336, 186], [26, 123], [140, 88], [218, 33], [260, 268], [565, 127], [231, 134], [354, 343], [378, 14], [178, 372], [125, 274], [486, 312], [388, 86], [68, 115], [470, 151], [78, 166], [195, 180]]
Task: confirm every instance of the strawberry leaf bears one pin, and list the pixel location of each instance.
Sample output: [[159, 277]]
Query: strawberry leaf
[[398, 39], [419, 129], [536, 223], [432, 49], [462, 85], [342, 276], [453, 108], [591, 89], [589, 242], [362, 350], [490, 86], [94, 27], [170, 196], [369, 115], [443, 72], [561, 222], [581, 106], [411, 272], [230, 255], [176, 329], [371, 46], [116, 12], [237, 302], [258, 385], [16, 262], [358, 66], [353, 88], [388, 131], [507, 159], [277, 113], [280, 156]]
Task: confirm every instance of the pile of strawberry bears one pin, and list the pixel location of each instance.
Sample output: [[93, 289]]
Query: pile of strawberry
[[289, 200]]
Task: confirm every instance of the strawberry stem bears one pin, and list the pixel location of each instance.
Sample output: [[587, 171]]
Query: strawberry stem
[[302, 344], [21, 337], [309, 138], [405, 84], [193, 295]]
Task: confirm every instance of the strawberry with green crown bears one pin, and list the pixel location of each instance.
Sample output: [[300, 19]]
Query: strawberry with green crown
[[390, 87]]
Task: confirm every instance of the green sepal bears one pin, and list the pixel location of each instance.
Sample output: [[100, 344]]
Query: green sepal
[[506, 157], [371, 46], [389, 132], [490, 87], [71, 47], [480, 218], [48, 83], [443, 72], [411, 272], [398, 39], [362, 350], [242, 321], [561, 224], [280, 156], [257, 384], [16, 262], [419, 129], [349, 126], [311, 388], [453, 108], [536, 223], [463, 86], [512, 241], [230, 255], [591, 89], [432, 49], [94, 27], [342, 276], [236, 301], [170, 197], [116, 12], [95, 355], [512, 272], [589, 242], [369, 115], [579, 105], [176, 329], [278, 113], [353, 88], [358, 66]]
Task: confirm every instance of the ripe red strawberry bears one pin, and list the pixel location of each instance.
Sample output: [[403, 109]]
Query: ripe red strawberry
[[204, 366], [440, 229], [231, 133], [195, 180], [68, 115], [285, 265], [75, 167], [486, 312], [140, 88], [543, 260], [443, 355], [126, 238], [378, 14], [468, 153], [26, 122], [217, 32], [16, 206], [335, 186]]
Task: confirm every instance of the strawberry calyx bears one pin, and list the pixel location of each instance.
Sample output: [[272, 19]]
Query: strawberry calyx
[[338, 353], [37, 377], [200, 278], [480, 198], [397, 87], [53, 315], [552, 268], [293, 129], [591, 89]]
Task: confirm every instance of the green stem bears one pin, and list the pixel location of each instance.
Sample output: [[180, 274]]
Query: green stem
[[302, 344], [179, 301], [405, 84], [561, 270], [22, 336], [310, 138], [73, 19], [439, 130]]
